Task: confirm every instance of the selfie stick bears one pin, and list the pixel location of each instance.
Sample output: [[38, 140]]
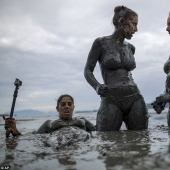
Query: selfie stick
[[17, 83]]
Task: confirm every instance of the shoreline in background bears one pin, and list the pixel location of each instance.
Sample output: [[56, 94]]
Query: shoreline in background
[[37, 112]]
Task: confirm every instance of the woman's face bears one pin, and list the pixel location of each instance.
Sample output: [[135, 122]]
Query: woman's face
[[168, 24], [65, 108], [130, 27]]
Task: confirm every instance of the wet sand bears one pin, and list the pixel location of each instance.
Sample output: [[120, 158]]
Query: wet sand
[[122, 150]]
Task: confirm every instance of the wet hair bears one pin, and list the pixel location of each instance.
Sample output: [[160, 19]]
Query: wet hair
[[122, 11], [64, 95]]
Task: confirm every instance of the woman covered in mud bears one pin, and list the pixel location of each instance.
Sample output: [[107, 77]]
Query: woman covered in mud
[[65, 107], [161, 100], [120, 97]]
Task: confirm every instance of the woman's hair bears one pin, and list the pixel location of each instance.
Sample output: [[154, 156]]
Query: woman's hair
[[64, 95], [122, 11]]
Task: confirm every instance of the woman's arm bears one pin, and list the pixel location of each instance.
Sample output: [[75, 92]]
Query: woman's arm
[[162, 99], [88, 124], [44, 128], [165, 97], [92, 59]]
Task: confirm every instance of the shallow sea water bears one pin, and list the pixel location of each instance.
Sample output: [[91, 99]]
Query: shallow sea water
[[117, 150]]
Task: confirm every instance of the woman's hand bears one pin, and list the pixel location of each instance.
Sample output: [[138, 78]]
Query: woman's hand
[[10, 126], [102, 90], [163, 98], [160, 102], [158, 107]]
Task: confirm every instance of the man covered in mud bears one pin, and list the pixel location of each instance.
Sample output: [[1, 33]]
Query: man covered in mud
[[65, 107], [161, 100]]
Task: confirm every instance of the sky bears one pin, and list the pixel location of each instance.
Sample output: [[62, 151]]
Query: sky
[[45, 44]]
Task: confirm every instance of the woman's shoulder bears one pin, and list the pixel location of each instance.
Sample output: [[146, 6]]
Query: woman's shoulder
[[131, 46], [45, 127], [47, 122], [104, 38], [97, 41], [79, 118], [100, 40], [56, 121]]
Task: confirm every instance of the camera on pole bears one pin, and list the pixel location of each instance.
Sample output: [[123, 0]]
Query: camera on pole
[[17, 84]]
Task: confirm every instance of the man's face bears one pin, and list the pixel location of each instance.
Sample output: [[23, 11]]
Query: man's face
[[168, 25], [65, 108]]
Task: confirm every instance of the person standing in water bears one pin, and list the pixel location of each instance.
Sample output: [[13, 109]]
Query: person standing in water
[[161, 100], [120, 97], [65, 107]]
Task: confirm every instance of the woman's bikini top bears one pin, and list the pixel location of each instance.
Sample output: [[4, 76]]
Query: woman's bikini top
[[114, 59]]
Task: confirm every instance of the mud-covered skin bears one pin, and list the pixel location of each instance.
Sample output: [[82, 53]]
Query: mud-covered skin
[[66, 136], [129, 109], [120, 99], [162, 99], [51, 126]]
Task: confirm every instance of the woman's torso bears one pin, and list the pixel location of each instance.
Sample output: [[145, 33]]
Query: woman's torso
[[60, 123], [116, 63]]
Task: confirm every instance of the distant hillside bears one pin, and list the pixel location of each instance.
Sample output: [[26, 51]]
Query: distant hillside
[[149, 106], [27, 112], [36, 112]]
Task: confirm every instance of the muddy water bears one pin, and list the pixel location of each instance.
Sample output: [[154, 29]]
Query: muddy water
[[123, 150]]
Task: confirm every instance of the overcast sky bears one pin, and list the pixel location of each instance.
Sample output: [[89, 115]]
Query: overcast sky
[[45, 43]]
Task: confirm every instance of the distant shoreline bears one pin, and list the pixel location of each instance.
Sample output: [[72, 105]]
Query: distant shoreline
[[35, 112]]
